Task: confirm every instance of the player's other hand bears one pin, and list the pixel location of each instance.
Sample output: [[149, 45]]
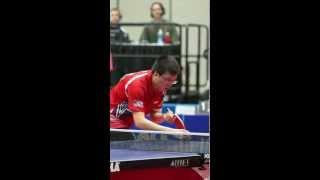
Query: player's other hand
[[185, 134], [183, 131]]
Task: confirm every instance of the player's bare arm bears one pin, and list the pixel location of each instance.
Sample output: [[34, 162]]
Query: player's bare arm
[[142, 123]]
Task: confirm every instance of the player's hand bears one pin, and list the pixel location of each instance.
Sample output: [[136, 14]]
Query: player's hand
[[169, 116], [183, 131], [185, 134]]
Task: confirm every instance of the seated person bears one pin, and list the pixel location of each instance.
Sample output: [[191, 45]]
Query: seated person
[[150, 32], [117, 33]]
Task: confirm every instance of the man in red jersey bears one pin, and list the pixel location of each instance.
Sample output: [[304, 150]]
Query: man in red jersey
[[141, 93]]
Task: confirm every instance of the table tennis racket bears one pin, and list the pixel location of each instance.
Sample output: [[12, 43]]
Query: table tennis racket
[[178, 121]]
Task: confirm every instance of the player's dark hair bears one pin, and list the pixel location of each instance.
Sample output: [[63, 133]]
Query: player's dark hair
[[161, 6], [166, 64]]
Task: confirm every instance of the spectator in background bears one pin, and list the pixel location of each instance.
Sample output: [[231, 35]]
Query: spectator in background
[[117, 33], [150, 32]]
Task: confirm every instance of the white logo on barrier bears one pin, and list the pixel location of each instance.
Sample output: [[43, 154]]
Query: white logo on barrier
[[180, 163], [114, 166]]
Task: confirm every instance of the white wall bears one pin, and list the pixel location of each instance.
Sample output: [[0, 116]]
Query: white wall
[[183, 12], [113, 3]]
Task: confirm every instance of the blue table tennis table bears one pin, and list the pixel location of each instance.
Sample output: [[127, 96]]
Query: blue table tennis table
[[132, 156]]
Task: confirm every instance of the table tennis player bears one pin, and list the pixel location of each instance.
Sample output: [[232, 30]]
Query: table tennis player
[[141, 93]]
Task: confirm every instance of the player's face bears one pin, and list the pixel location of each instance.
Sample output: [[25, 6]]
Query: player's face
[[156, 11], [165, 81], [115, 17]]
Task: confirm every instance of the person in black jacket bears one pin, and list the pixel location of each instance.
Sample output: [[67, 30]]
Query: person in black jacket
[[117, 33]]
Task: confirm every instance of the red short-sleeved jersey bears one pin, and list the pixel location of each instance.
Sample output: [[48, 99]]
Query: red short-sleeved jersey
[[133, 93]]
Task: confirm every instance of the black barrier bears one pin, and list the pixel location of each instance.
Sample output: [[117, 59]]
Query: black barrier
[[198, 56]]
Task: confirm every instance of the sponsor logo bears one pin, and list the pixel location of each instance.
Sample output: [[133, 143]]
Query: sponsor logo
[[180, 163], [138, 104], [121, 110], [114, 166]]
